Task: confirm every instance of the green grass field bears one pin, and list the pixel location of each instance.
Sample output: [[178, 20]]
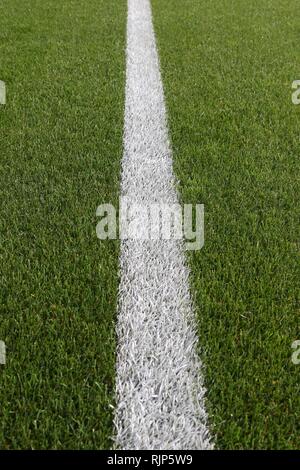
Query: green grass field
[[227, 69], [61, 142]]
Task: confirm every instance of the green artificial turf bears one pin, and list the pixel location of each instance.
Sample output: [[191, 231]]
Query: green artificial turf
[[61, 140], [228, 68]]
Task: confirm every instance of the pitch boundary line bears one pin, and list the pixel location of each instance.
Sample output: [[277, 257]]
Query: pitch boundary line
[[159, 385]]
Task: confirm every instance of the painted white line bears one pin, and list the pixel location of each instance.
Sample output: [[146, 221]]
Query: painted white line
[[160, 394]]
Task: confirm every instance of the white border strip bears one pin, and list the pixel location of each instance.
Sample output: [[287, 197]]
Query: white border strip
[[160, 395]]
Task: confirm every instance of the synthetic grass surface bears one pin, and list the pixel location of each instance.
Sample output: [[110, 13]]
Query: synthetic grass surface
[[227, 69], [61, 142]]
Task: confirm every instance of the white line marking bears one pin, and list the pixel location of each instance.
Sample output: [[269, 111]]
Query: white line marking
[[160, 394]]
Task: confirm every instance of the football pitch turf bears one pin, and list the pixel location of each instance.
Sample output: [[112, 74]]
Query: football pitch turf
[[227, 69], [61, 143], [227, 75]]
